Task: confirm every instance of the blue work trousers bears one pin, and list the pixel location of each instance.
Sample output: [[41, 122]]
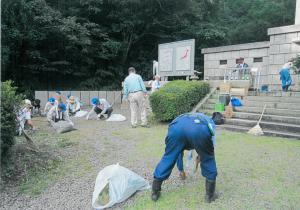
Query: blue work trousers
[[184, 133]]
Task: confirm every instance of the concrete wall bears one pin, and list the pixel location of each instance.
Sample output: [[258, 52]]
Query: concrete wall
[[284, 45], [282, 49], [212, 57], [84, 96]]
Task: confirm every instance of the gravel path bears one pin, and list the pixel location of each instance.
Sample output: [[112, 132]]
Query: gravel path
[[101, 149]]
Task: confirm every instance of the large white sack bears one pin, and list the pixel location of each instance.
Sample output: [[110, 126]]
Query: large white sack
[[121, 182], [81, 113], [116, 118], [62, 126]]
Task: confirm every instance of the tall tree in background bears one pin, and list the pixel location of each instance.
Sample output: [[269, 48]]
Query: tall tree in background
[[64, 44]]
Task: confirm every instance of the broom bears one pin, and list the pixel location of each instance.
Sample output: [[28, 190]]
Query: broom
[[256, 130]]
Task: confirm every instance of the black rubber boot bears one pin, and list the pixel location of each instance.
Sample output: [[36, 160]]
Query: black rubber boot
[[210, 187], [156, 188]]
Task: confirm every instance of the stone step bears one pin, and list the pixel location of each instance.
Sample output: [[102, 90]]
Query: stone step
[[277, 93], [266, 132], [267, 117], [270, 111], [277, 105], [212, 101], [273, 99], [208, 106], [281, 127]]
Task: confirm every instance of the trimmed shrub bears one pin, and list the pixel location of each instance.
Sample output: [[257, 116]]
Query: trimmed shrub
[[177, 97], [9, 100]]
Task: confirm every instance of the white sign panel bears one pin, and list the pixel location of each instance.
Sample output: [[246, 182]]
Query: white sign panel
[[176, 58], [165, 57], [183, 58]]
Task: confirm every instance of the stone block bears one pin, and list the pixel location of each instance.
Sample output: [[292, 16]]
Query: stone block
[[285, 48], [244, 53], [278, 59], [42, 95], [93, 94], [272, 39], [279, 39], [118, 97], [231, 63], [235, 54], [258, 52], [295, 48], [289, 57], [274, 49], [211, 57], [102, 94], [291, 36], [213, 64], [271, 59], [76, 94], [110, 96], [85, 97]]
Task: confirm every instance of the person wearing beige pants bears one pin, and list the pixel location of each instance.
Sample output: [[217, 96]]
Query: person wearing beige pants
[[135, 91], [137, 105]]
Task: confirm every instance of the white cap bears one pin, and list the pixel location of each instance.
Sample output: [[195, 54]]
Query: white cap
[[27, 102]]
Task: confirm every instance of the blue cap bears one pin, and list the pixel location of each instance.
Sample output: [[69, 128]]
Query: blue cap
[[95, 101], [62, 106], [51, 100]]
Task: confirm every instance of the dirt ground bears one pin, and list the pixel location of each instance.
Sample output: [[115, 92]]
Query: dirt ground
[[97, 144], [254, 172]]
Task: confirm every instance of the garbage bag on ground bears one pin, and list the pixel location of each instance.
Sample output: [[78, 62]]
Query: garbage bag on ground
[[62, 126], [81, 113], [116, 118], [115, 184]]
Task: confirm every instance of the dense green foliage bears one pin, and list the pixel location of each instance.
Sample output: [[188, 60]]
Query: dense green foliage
[[296, 65], [62, 44], [9, 101], [177, 97]]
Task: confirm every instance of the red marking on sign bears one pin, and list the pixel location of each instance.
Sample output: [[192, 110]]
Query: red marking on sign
[[185, 55]]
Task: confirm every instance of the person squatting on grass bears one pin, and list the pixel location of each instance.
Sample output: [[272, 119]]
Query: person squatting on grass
[[135, 91], [100, 107], [73, 106], [57, 113], [186, 132]]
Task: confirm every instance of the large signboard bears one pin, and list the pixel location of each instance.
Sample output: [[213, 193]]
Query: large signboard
[[176, 58]]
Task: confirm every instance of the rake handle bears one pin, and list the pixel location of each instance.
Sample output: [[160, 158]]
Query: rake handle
[[262, 114]]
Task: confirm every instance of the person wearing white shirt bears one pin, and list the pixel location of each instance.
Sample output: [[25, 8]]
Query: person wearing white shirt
[[155, 84], [73, 106], [100, 107], [51, 102]]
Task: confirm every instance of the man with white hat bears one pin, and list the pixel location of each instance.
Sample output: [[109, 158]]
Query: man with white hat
[[24, 116], [73, 105]]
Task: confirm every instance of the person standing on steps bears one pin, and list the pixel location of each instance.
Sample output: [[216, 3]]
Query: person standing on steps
[[186, 132], [135, 91]]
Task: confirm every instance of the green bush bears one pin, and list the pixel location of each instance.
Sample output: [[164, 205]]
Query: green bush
[[9, 101], [177, 97]]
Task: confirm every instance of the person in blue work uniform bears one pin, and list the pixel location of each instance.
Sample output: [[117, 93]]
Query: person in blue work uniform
[[285, 76], [186, 132]]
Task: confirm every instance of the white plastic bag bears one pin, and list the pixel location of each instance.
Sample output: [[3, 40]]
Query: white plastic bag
[[116, 118], [81, 113], [62, 126], [115, 184]]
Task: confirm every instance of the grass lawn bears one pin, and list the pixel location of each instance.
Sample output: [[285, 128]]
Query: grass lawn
[[253, 173]]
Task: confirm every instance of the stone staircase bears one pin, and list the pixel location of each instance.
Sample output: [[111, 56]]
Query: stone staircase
[[281, 117]]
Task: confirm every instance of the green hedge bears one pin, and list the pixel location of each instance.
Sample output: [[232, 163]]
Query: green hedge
[[9, 100], [177, 97]]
